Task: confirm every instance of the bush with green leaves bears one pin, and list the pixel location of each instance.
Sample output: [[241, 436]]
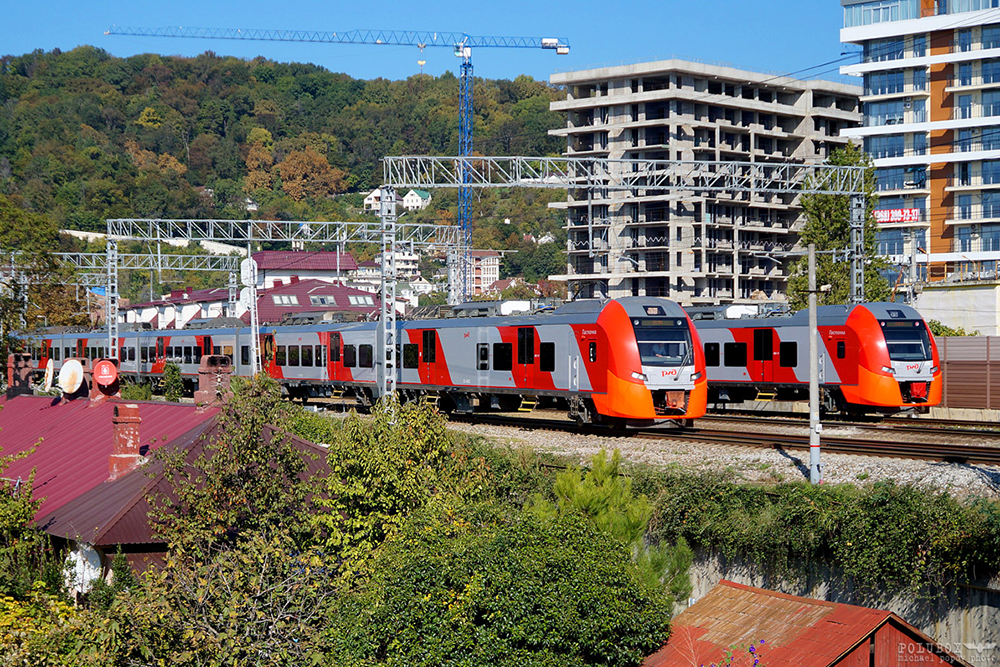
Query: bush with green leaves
[[137, 391], [173, 383], [479, 585], [886, 537]]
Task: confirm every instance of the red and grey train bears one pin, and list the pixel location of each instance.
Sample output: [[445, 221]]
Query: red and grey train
[[632, 361], [874, 358]]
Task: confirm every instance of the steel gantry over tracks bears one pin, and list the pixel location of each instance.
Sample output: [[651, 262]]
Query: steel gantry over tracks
[[641, 177], [388, 233], [462, 44]]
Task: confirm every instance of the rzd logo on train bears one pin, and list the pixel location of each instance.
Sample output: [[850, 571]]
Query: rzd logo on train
[[671, 372]]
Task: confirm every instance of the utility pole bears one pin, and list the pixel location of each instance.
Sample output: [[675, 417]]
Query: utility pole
[[857, 249], [815, 468]]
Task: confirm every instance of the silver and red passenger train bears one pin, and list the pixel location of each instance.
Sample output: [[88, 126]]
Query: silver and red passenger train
[[874, 358], [632, 361]]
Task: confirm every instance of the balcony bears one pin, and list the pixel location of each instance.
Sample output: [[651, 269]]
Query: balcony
[[988, 79], [973, 213], [973, 111], [974, 181], [877, 120]]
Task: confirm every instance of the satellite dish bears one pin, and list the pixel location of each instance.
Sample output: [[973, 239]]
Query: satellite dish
[[71, 376], [245, 298], [50, 371]]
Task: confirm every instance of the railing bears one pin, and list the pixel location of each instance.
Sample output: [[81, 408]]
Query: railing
[[976, 180], [978, 80], [896, 118], [972, 212], [974, 111], [989, 243]]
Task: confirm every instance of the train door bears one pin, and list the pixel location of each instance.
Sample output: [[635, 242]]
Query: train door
[[524, 369], [267, 352], [80, 343], [763, 355], [484, 361], [333, 363], [428, 357]]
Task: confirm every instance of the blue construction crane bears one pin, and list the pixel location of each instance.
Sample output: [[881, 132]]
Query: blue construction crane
[[461, 42]]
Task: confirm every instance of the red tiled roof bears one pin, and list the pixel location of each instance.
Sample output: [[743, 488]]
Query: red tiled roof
[[290, 260], [268, 311], [796, 630], [194, 296], [74, 440], [483, 253]]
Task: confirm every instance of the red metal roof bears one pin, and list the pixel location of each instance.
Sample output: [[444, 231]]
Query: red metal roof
[[291, 260], [74, 440], [188, 296], [269, 311], [117, 512], [796, 630]]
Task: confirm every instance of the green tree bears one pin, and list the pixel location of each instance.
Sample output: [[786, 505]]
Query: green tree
[[604, 497], [828, 226], [475, 586], [939, 329]]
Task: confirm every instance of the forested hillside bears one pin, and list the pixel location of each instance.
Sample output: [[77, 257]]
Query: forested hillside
[[85, 136]]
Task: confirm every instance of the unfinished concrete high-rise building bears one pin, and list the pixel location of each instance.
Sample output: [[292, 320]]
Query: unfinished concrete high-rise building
[[694, 249]]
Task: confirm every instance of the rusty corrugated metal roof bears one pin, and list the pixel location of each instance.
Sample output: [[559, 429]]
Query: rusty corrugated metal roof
[[74, 440], [796, 630], [116, 512]]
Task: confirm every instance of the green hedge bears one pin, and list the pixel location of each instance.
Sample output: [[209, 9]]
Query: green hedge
[[885, 537]]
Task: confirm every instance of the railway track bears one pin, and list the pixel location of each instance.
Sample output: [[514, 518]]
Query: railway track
[[896, 424], [949, 453]]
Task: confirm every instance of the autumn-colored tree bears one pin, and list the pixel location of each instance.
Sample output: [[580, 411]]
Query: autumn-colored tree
[[259, 160], [307, 174]]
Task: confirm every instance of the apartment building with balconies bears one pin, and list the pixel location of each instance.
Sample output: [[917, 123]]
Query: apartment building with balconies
[[931, 105], [694, 249]]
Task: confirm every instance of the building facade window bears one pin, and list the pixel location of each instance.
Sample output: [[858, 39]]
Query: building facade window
[[890, 145], [879, 50], [884, 83], [890, 179], [920, 79], [881, 11], [885, 113], [991, 37]]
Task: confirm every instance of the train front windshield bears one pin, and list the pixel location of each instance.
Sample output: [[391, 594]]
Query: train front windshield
[[663, 342], [907, 340]]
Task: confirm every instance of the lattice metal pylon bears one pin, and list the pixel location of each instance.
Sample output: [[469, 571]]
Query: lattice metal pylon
[[857, 249], [465, 193], [385, 363]]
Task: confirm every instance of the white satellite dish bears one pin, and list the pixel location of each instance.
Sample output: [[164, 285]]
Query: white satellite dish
[[71, 376], [245, 298], [50, 371]]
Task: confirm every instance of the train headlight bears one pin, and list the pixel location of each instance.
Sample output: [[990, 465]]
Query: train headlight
[[888, 369], [638, 376], [696, 376], [934, 369]]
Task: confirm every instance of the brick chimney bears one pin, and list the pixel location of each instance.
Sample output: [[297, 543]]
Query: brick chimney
[[18, 375], [214, 375], [125, 454]]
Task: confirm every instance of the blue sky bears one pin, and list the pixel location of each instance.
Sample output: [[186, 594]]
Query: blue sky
[[772, 36]]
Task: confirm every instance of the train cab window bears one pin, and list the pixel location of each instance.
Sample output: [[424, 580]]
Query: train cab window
[[503, 356], [293, 355], [350, 356], [711, 354], [483, 356], [525, 345], [411, 355], [546, 357], [763, 345], [245, 355], [841, 349], [735, 355], [593, 352], [281, 356], [307, 355], [788, 354], [366, 356], [430, 347]]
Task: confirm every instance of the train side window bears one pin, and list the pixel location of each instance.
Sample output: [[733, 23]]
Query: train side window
[[763, 345], [503, 356], [483, 356], [318, 357], [293, 355], [68, 353], [307, 355], [735, 354], [430, 347], [216, 350], [411, 355], [196, 354], [350, 356], [525, 345], [546, 357], [131, 354], [593, 352], [244, 355], [227, 350], [188, 355], [366, 356], [55, 354], [334, 347], [711, 354], [841, 349], [788, 354], [281, 356]]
